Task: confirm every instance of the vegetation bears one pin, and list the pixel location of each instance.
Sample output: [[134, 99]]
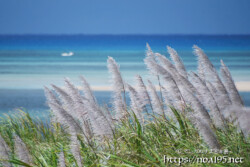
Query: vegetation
[[194, 115], [132, 144]]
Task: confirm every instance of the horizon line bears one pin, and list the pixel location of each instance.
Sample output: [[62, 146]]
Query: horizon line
[[122, 34]]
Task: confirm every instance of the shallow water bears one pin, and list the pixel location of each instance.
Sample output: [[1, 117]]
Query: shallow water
[[27, 63], [30, 62], [34, 102]]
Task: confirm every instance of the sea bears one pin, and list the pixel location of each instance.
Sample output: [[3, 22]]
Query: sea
[[30, 62]]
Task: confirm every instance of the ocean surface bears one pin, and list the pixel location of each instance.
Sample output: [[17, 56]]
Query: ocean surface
[[29, 62]]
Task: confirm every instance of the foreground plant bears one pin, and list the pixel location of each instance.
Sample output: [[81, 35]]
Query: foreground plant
[[134, 143], [192, 111]]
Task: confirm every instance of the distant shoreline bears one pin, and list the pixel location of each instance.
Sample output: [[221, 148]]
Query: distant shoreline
[[121, 34], [242, 86]]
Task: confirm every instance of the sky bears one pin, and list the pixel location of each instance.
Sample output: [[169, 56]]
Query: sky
[[124, 16]]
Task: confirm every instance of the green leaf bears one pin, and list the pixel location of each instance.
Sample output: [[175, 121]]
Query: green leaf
[[180, 121], [18, 162]]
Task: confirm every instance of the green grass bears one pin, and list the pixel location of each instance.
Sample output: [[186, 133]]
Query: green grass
[[132, 144]]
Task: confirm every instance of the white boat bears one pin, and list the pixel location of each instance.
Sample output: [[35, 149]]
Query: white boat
[[67, 54]]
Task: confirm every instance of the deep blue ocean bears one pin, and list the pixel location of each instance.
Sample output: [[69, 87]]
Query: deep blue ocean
[[29, 62]]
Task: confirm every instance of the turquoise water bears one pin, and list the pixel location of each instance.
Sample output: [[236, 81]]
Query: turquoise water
[[33, 101], [27, 63]]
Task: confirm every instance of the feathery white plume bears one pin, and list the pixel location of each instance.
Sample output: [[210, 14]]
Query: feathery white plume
[[156, 68], [75, 149], [114, 69], [149, 52], [204, 64], [98, 119], [4, 152], [243, 121], [208, 100], [80, 107], [119, 106], [240, 116], [169, 103], [166, 63], [135, 101], [62, 116], [230, 85], [67, 101], [173, 71], [142, 91], [168, 78], [195, 104], [87, 90], [66, 115], [222, 97], [61, 160], [211, 75], [207, 133], [22, 151], [205, 67], [167, 97], [99, 122], [78, 99], [155, 100], [50, 97], [211, 89], [177, 61], [65, 118], [150, 57], [108, 115], [118, 89]]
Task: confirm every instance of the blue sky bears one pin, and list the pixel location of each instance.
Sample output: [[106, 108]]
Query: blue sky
[[125, 17]]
